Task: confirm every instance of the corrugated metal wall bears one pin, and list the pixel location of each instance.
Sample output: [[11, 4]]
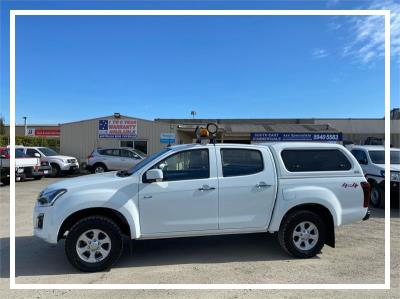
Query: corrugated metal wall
[[78, 139]]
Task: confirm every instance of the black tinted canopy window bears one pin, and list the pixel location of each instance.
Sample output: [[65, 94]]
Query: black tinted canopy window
[[236, 162], [315, 160]]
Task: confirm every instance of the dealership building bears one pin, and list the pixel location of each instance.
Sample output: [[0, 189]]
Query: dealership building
[[79, 138]]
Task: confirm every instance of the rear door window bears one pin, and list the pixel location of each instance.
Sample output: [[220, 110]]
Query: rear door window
[[110, 152], [31, 152], [237, 162], [308, 160]]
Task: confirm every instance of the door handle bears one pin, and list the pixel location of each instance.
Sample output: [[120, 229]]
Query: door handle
[[147, 196], [262, 185], [206, 188]]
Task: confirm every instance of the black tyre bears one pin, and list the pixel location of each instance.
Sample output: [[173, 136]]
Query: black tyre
[[5, 181], [94, 244], [377, 199], [302, 234], [55, 170], [99, 168]]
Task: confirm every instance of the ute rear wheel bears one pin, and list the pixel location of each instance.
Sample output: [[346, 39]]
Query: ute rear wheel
[[94, 244], [302, 234]]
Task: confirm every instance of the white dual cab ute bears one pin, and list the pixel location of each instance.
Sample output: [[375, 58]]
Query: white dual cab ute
[[299, 190]]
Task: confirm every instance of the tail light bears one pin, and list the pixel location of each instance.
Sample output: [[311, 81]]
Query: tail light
[[367, 193]]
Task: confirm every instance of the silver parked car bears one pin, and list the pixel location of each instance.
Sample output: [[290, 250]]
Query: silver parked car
[[106, 159], [60, 164]]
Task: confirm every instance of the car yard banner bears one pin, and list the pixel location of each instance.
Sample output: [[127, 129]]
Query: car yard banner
[[42, 132], [320, 137], [117, 128]]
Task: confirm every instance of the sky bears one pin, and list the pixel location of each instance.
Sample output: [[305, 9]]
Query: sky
[[77, 67]]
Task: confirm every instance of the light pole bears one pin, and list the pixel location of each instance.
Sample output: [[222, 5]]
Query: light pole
[[26, 129]]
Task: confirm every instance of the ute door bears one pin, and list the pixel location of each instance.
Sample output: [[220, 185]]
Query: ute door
[[187, 197], [247, 187]]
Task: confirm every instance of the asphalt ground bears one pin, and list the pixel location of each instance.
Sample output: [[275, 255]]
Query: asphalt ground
[[252, 258]]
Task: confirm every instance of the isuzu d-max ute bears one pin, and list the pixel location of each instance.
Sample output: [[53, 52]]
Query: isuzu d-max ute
[[302, 191]]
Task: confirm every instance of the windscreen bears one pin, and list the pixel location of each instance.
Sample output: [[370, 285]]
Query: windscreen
[[48, 151], [148, 160], [378, 157]]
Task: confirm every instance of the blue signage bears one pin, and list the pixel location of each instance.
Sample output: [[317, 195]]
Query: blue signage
[[321, 137], [167, 138]]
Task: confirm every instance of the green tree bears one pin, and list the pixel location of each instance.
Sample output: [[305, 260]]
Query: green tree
[[2, 126]]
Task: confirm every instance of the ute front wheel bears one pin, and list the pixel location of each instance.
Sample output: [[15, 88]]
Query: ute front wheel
[[94, 244]]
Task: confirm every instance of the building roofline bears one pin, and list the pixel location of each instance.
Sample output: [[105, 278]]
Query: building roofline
[[103, 117], [35, 125], [259, 119]]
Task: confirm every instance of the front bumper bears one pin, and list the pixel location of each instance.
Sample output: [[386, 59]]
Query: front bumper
[[44, 226], [45, 169], [70, 167]]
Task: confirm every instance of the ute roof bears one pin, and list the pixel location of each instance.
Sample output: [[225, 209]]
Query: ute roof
[[373, 147], [275, 145]]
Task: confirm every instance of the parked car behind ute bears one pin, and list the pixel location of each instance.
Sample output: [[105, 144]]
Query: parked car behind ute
[[372, 161], [25, 167], [106, 159], [60, 164]]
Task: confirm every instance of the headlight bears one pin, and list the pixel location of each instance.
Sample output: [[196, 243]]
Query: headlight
[[395, 176], [48, 198]]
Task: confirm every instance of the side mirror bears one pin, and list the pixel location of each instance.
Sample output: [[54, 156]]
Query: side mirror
[[154, 175], [37, 155], [136, 157]]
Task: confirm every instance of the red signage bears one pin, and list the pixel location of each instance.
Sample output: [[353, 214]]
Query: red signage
[[47, 132]]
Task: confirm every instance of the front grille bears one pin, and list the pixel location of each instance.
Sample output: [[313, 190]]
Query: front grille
[[71, 160]]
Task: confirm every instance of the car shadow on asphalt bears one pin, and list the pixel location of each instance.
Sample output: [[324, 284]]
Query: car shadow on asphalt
[[380, 213], [34, 257]]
